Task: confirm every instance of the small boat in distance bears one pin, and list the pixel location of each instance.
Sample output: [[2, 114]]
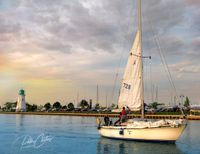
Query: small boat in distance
[[132, 95]]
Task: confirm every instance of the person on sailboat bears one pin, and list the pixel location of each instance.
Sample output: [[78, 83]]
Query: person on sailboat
[[106, 120], [128, 110], [118, 121], [124, 115]]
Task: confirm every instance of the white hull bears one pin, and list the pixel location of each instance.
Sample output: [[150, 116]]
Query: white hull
[[166, 134]]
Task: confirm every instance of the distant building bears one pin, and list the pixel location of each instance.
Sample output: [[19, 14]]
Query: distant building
[[195, 107], [21, 102]]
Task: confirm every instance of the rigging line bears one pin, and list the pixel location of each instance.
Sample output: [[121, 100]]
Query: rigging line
[[157, 41], [166, 66], [146, 87], [149, 74], [164, 63], [114, 87], [149, 79], [117, 73], [148, 70], [146, 77], [150, 65]]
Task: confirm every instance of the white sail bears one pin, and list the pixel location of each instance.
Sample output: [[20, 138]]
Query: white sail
[[131, 92]]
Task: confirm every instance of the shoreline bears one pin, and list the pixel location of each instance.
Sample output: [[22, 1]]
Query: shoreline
[[113, 115]]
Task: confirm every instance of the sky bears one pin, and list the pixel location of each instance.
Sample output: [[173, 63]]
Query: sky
[[61, 50]]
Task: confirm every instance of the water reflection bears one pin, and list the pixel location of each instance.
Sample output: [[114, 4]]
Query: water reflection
[[106, 146], [189, 140], [19, 121]]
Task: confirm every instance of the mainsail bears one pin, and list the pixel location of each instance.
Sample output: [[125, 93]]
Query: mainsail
[[131, 92]]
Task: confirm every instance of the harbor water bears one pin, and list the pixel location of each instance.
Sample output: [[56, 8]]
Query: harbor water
[[44, 134]]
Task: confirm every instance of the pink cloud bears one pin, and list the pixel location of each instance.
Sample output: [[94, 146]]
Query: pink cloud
[[196, 42], [3, 60], [193, 2], [6, 37]]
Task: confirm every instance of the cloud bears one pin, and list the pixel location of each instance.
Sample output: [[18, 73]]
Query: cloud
[[164, 14], [3, 60], [82, 41], [193, 2], [186, 67]]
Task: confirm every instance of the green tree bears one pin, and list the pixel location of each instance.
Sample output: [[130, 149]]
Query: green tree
[[31, 108], [28, 107], [57, 105], [97, 106], [84, 104], [34, 107], [10, 105], [64, 107], [70, 106], [155, 105], [7, 106], [40, 107], [47, 106], [187, 102]]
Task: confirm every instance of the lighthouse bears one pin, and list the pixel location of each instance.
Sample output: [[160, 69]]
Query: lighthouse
[[21, 102]]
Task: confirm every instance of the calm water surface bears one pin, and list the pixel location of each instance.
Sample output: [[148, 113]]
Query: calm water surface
[[28, 134]]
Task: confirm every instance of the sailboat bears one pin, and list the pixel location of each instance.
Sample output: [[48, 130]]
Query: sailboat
[[132, 95]]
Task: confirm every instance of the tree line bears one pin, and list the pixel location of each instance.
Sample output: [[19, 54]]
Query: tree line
[[56, 106], [83, 104]]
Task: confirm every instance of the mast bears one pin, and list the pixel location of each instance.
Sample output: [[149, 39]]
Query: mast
[[106, 100], [97, 99], [140, 39], [77, 99]]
